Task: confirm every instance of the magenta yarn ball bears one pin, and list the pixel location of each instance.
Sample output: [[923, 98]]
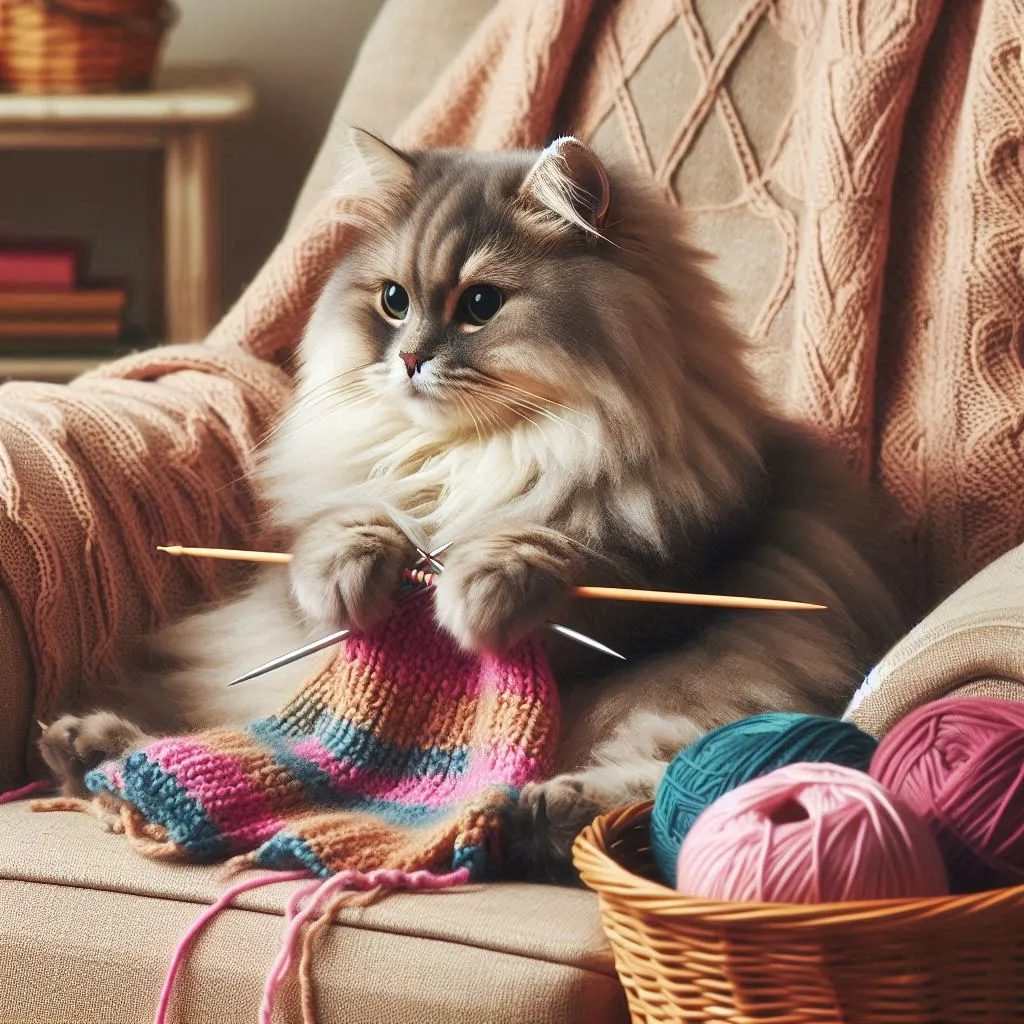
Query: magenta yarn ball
[[810, 833], [959, 763]]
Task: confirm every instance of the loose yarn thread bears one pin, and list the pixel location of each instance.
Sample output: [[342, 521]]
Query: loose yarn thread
[[341, 884], [959, 763], [810, 833], [184, 943], [736, 753], [348, 888], [30, 789]]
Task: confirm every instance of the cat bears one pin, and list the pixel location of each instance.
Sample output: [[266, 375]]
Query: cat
[[521, 354]]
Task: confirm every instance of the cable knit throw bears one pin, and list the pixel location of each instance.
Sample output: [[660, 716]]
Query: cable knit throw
[[872, 237], [398, 756]]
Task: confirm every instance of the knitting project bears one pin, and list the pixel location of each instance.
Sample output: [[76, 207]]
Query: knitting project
[[399, 755]]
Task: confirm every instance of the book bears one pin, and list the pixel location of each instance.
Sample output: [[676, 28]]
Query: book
[[39, 264], [48, 304]]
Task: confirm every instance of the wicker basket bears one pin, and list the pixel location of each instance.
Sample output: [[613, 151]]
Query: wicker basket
[[70, 46], [951, 960]]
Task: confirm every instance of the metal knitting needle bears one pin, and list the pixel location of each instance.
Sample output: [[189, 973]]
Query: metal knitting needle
[[582, 638], [296, 655], [316, 645], [430, 557]]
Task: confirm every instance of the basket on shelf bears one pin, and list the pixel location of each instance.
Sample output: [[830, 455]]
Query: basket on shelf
[[72, 46], [947, 960]]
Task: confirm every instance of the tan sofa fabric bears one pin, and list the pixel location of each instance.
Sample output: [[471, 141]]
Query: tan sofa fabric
[[409, 44], [971, 645], [87, 929]]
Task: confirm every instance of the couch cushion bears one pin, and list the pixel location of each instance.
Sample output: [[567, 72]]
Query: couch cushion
[[971, 645], [88, 927], [409, 44]]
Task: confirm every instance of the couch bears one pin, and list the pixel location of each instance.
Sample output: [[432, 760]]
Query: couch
[[87, 927]]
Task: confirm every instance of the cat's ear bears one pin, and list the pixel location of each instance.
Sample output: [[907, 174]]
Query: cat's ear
[[369, 164], [569, 180]]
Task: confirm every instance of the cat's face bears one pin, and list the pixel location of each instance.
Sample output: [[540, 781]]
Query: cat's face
[[481, 294], [517, 328]]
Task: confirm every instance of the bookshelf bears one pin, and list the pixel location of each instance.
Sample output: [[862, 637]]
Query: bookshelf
[[182, 118], [51, 369]]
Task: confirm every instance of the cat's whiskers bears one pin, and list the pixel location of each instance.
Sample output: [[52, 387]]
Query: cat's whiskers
[[509, 397], [332, 388], [487, 382], [464, 406], [492, 418], [306, 412], [501, 402], [291, 416], [498, 382]]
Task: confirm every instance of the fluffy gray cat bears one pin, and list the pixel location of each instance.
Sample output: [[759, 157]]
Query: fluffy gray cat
[[521, 355]]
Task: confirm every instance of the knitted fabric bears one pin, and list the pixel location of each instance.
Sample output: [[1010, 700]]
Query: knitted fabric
[[399, 755]]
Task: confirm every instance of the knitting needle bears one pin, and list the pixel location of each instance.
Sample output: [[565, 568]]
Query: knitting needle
[[430, 557], [602, 593], [296, 655], [587, 641], [316, 645], [277, 557]]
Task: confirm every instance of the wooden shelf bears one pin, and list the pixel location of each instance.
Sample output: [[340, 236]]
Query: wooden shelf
[[181, 95], [181, 118], [52, 369]]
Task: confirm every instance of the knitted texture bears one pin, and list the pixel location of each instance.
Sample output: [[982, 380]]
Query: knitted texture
[[854, 167], [399, 755]]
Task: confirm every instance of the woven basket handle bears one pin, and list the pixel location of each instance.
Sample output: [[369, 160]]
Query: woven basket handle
[[166, 15]]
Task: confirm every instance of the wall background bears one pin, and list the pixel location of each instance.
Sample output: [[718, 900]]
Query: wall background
[[298, 54]]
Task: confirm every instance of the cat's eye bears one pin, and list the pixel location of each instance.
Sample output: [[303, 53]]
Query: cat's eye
[[479, 303], [394, 300]]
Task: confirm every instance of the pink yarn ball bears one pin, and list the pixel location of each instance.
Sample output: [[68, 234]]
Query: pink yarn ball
[[959, 763], [810, 833]]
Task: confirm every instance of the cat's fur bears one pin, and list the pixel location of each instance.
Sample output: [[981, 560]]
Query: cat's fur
[[602, 428]]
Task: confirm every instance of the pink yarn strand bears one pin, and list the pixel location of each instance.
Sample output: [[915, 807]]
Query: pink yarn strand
[[282, 965], [200, 923], [39, 786], [386, 878]]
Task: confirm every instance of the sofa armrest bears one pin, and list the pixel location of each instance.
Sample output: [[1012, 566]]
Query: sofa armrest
[[970, 645], [147, 450]]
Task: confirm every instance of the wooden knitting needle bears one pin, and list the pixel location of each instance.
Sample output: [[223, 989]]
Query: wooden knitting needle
[[601, 593], [228, 554]]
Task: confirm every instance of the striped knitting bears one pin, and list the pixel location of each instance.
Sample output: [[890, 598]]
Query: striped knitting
[[399, 755]]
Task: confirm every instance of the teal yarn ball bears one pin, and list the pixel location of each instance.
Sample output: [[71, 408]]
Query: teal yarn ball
[[736, 753]]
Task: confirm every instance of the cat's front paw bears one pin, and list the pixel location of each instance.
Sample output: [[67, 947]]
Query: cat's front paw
[[73, 745], [347, 568], [496, 590], [546, 820]]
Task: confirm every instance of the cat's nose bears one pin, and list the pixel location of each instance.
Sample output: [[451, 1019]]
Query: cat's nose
[[412, 362]]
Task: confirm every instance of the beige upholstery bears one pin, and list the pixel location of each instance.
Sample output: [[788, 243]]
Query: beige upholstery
[[407, 47], [87, 929], [971, 645]]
